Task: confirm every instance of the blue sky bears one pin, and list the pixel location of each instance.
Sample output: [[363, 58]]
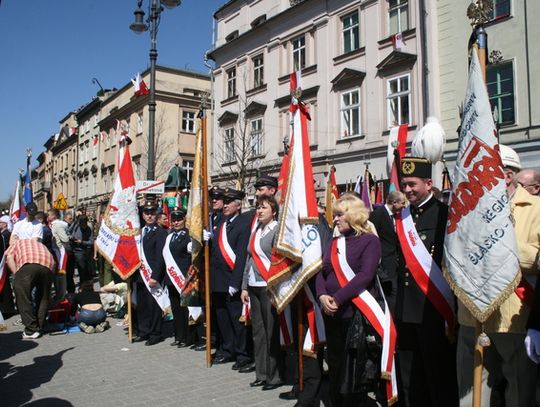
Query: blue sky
[[51, 50]]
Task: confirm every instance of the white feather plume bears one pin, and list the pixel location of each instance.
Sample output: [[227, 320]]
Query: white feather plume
[[429, 141]]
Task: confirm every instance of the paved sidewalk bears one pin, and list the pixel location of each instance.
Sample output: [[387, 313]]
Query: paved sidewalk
[[78, 369]]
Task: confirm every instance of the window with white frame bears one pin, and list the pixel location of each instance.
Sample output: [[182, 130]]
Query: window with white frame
[[398, 99], [94, 185], [258, 71], [139, 123], [187, 165], [231, 82], [228, 145], [351, 32], [398, 16], [95, 145], [500, 85], [299, 52], [87, 126], [86, 151], [501, 9], [188, 122], [256, 137], [350, 113], [86, 188], [81, 189]]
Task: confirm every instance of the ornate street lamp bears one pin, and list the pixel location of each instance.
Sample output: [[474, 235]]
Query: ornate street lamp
[[138, 27]]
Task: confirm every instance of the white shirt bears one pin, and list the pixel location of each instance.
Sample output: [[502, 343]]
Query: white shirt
[[24, 229]]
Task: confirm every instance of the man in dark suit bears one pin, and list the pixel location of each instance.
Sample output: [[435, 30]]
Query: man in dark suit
[[228, 257], [383, 218], [426, 359], [216, 197], [149, 313]]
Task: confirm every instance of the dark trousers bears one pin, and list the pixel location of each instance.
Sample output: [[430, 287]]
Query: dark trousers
[[426, 365], [265, 327], [84, 265], [70, 273], [180, 317], [149, 314], [233, 333], [27, 278]]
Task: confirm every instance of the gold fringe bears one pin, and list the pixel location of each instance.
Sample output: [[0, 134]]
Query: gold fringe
[[392, 401], [473, 309]]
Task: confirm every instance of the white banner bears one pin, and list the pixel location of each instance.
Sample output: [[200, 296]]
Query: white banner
[[480, 245]]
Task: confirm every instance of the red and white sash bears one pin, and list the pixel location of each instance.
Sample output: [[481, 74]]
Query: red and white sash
[[259, 257], [3, 273], [224, 246], [425, 271], [245, 317], [173, 271], [315, 333], [380, 319], [160, 294], [62, 259]]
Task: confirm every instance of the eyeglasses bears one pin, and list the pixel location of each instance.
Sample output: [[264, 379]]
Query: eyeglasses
[[527, 186]]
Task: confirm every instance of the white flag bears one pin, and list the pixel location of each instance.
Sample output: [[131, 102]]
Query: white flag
[[480, 243]]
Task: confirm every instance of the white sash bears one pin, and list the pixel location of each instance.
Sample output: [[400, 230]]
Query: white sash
[[315, 333], [173, 271], [160, 294]]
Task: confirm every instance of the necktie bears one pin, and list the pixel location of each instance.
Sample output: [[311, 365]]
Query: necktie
[[146, 230], [175, 236]]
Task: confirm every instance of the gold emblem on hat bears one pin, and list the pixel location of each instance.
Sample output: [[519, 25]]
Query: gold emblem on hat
[[408, 167]]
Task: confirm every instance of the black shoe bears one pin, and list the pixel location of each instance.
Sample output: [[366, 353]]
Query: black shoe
[[247, 369], [175, 343], [199, 348], [240, 365], [182, 345], [222, 359], [288, 395], [257, 383], [271, 386], [153, 341], [139, 339]]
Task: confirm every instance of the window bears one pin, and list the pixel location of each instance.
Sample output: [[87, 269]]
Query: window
[[299, 53], [500, 85], [86, 151], [188, 122], [228, 145], [139, 123], [256, 137], [87, 126], [501, 9], [188, 166], [398, 11], [351, 33], [138, 169], [398, 97], [81, 154], [94, 185], [231, 83], [258, 71], [350, 113], [96, 120], [95, 145]]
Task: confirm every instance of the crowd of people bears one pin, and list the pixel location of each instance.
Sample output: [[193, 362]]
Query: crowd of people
[[362, 253]]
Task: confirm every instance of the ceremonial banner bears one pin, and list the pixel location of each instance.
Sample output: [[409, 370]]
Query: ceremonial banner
[[15, 208], [480, 244], [331, 195], [119, 233], [192, 290], [298, 238]]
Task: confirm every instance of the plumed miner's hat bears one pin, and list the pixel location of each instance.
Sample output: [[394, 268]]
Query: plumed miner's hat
[[415, 167]]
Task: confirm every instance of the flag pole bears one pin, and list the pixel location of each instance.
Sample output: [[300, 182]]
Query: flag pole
[[481, 47], [205, 215], [300, 313]]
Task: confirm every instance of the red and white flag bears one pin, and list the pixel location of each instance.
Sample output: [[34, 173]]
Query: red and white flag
[[73, 131], [15, 208], [298, 237], [139, 85], [397, 41], [480, 244], [120, 232]]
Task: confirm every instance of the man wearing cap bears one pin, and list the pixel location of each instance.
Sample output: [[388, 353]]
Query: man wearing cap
[[149, 313], [216, 197], [177, 255], [228, 257], [29, 227], [425, 358], [511, 377]]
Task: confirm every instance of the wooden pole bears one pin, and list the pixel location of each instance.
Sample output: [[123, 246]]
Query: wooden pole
[[481, 47], [130, 319], [205, 215], [300, 318]]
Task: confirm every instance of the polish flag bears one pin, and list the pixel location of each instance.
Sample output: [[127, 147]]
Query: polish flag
[[397, 41], [15, 208], [139, 85]]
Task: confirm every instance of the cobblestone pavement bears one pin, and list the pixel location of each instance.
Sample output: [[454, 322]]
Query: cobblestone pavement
[[103, 369]]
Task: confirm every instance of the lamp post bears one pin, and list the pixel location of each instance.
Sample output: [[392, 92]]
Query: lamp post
[[138, 27]]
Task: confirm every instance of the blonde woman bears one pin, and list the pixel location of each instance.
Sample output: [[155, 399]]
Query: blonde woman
[[353, 351]]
